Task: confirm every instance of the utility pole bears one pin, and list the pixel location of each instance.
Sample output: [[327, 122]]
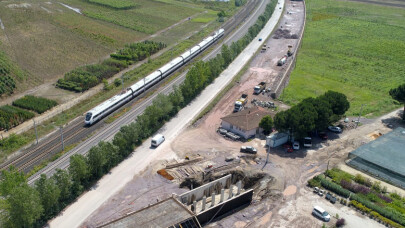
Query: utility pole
[[36, 133], [358, 119], [61, 134]]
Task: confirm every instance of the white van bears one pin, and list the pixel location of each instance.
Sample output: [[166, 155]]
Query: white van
[[157, 140], [321, 213]]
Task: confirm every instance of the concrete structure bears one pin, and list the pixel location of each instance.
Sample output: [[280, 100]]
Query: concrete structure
[[277, 139], [246, 122], [383, 158], [166, 213]]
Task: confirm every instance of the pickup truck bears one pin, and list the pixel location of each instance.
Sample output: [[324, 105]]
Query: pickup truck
[[248, 149], [240, 103], [259, 88]]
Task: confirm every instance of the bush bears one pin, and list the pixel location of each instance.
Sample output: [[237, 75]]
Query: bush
[[7, 83], [314, 183], [117, 82], [340, 222], [12, 116], [334, 187], [37, 104]]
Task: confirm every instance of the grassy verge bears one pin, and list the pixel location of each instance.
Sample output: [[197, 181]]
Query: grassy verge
[[352, 48]]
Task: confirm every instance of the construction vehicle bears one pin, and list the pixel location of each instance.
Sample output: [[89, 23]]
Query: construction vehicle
[[240, 103], [282, 61], [259, 88], [289, 52], [264, 48]]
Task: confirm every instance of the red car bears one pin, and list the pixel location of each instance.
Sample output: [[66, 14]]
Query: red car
[[290, 150], [323, 135], [287, 145]]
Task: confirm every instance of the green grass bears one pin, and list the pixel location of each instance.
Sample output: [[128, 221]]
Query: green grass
[[352, 48], [121, 4], [148, 18]]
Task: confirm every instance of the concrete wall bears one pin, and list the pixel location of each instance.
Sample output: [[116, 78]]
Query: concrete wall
[[205, 190], [225, 207]]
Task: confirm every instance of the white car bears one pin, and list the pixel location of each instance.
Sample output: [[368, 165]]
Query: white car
[[335, 129], [296, 145], [321, 213]]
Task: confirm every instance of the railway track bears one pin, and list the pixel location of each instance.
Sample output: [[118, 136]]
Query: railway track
[[76, 131]]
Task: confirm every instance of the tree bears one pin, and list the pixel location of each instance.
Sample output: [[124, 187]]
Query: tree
[[96, 160], [64, 182], [49, 194], [22, 207], [226, 55], [399, 95], [267, 124], [338, 102], [79, 171], [10, 180], [281, 121]]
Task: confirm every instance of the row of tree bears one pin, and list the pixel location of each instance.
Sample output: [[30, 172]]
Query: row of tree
[[31, 206], [312, 114], [85, 77]]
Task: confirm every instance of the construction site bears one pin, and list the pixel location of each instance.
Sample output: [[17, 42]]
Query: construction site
[[211, 183]]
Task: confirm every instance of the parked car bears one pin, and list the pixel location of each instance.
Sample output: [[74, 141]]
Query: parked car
[[260, 39], [323, 135], [290, 150], [320, 192], [321, 213], [316, 190], [335, 129], [330, 197], [248, 149], [296, 145]]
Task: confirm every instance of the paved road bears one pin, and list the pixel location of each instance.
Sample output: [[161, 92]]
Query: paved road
[[108, 132], [76, 213]]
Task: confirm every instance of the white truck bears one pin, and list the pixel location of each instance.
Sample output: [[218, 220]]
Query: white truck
[[240, 103]]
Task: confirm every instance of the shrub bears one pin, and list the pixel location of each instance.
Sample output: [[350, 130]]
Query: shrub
[[376, 186], [7, 83], [12, 116], [334, 188], [117, 82], [314, 183], [37, 104], [340, 222]]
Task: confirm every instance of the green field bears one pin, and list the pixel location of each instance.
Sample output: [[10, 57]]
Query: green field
[[353, 48], [42, 40]]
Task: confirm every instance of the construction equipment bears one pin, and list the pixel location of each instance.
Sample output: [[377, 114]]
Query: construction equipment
[[240, 103]]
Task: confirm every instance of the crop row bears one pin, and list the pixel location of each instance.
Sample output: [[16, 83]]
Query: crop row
[[12, 116], [7, 83], [37, 104], [85, 77], [121, 5]]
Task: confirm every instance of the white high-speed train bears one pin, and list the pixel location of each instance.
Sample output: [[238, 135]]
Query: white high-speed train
[[116, 101]]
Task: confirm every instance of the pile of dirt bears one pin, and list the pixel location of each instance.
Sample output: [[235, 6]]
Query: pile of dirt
[[284, 33]]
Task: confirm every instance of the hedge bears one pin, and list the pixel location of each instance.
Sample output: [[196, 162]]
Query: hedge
[[334, 187], [37, 104]]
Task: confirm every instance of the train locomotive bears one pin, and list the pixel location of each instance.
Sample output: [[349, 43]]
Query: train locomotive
[[117, 101]]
